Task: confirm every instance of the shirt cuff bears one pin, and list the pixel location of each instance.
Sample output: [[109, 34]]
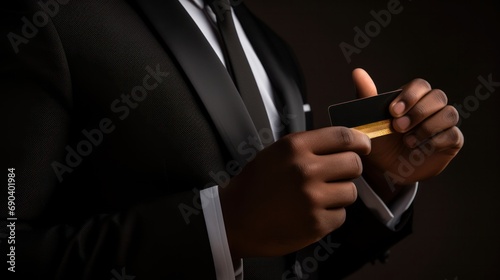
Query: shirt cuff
[[390, 216], [214, 221]]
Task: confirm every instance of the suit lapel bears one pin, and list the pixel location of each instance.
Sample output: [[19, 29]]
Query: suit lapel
[[205, 72], [276, 69]]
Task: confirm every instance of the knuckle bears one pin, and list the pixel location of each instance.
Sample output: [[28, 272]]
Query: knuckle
[[308, 170], [303, 171], [355, 164], [412, 92], [312, 197], [426, 130], [292, 143], [440, 96], [419, 111], [411, 96], [340, 219], [349, 194], [345, 135], [354, 192], [451, 115], [455, 137], [422, 83]]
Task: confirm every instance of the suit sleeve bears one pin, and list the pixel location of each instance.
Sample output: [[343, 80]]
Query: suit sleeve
[[148, 240], [362, 239]]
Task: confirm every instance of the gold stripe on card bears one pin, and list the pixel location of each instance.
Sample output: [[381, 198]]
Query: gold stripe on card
[[376, 129]]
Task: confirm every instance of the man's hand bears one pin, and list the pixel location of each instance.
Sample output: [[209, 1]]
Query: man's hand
[[422, 120], [294, 192]]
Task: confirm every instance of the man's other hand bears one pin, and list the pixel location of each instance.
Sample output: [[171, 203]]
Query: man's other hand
[[294, 192]]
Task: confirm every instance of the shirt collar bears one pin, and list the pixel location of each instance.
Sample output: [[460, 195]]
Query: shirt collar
[[198, 3]]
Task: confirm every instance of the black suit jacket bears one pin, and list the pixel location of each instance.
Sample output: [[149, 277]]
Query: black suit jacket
[[111, 134]]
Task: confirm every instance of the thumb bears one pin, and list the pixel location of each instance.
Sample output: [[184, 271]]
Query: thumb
[[365, 87]]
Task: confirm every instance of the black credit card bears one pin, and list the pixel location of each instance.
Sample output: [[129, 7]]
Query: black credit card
[[369, 115]]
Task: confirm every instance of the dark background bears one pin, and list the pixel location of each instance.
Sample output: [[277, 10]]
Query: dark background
[[450, 44]]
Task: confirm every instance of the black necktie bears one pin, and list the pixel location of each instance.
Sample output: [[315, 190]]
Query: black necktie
[[239, 67]]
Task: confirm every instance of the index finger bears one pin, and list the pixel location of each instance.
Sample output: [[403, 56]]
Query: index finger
[[336, 139]]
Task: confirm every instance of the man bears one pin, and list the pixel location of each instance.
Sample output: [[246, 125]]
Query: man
[[120, 112]]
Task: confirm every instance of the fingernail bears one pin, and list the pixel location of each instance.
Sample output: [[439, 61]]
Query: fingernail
[[403, 123], [411, 141], [399, 107]]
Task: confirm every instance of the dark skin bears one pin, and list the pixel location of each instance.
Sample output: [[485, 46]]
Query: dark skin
[[295, 191], [424, 121]]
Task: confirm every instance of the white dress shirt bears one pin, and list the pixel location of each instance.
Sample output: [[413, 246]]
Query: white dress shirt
[[209, 197]]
